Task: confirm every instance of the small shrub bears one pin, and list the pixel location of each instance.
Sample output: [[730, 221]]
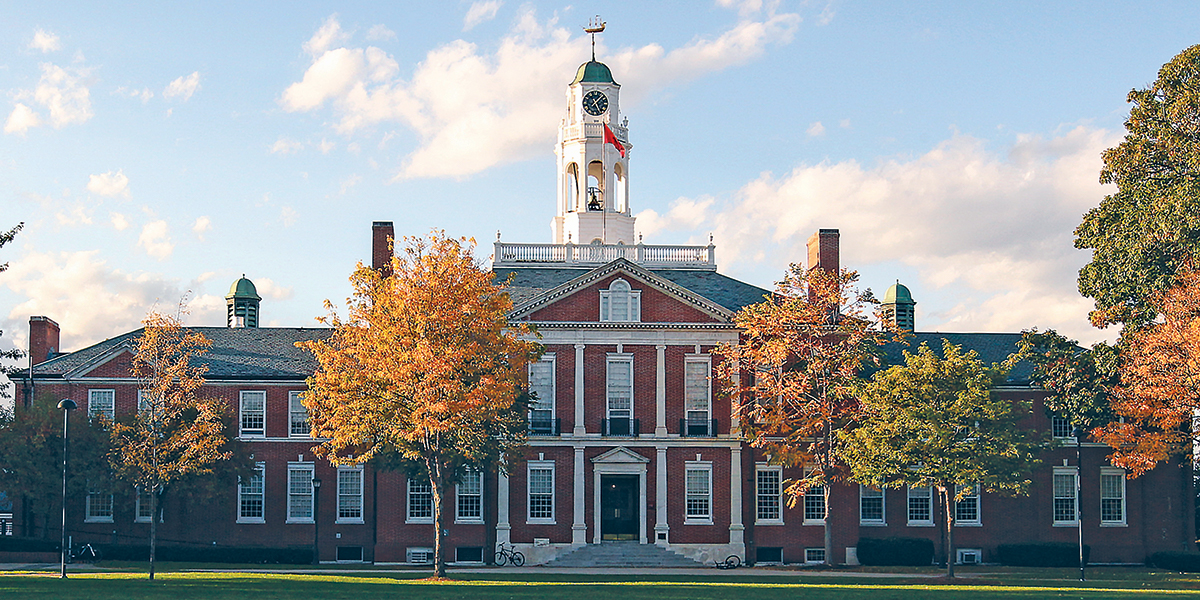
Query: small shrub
[[210, 554], [1042, 554], [895, 551], [1184, 562], [23, 544]]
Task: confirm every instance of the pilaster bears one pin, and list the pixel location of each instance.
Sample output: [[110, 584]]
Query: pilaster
[[661, 528], [580, 426], [660, 396], [578, 526]]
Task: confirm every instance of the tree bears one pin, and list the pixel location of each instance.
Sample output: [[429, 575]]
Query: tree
[[425, 371], [177, 433], [806, 347], [1159, 394], [1143, 235], [15, 353], [935, 422]]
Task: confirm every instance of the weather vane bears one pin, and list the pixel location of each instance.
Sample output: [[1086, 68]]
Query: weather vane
[[594, 26]]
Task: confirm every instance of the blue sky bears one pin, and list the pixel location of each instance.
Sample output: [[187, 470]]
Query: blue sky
[[157, 149]]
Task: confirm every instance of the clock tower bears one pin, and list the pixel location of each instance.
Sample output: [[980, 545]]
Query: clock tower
[[593, 162]]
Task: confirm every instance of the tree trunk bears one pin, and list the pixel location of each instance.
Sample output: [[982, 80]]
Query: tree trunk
[[153, 526], [828, 526], [435, 484], [948, 505]]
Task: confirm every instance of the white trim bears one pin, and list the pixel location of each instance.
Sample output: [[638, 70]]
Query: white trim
[[1120, 474], [261, 469], [758, 470], [458, 496], [706, 359], [87, 508], [928, 495], [962, 553], [619, 461], [243, 432], [297, 395], [1074, 473], [618, 358], [408, 503], [110, 413], [552, 359], [293, 468], [882, 520], [540, 465], [361, 489], [978, 520], [698, 466]]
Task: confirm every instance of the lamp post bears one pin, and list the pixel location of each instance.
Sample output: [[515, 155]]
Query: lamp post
[[66, 405], [1078, 432], [316, 483]]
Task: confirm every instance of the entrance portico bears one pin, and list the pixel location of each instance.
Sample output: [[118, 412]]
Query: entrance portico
[[614, 477]]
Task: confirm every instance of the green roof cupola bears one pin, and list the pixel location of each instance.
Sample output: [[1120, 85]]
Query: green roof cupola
[[242, 304], [899, 308], [593, 71]]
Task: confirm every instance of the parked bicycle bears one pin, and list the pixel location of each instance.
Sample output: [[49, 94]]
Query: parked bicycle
[[509, 555], [84, 554], [731, 562]]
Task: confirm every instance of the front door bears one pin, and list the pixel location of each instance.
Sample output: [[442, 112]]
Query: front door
[[619, 507]]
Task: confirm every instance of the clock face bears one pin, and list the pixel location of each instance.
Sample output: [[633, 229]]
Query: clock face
[[595, 103]]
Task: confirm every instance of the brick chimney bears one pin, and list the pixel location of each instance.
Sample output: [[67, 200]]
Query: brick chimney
[[382, 235], [823, 250], [43, 339]]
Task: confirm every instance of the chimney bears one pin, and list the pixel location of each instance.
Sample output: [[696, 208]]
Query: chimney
[[823, 250], [382, 236], [43, 339]]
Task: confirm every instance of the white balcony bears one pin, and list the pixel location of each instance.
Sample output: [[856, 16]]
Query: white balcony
[[595, 255], [594, 130]]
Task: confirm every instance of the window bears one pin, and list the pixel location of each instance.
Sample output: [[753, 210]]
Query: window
[[98, 507], [101, 404], [966, 510], [468, 554], [420, 501], [1112, 496], [142, 508], [250, 497], [300, 493], [350, 495], [698, 481], [541, 385], [1060, 427], [418, 556], [541, 492], [253, 414], [769, 496], [814, 555], [1065, 486], [814, 505], [620, 303], [920, 506], [620, 394], [143, 401], [870, 506], [298, 416], [697, 394], [970, 556], [469, 498]]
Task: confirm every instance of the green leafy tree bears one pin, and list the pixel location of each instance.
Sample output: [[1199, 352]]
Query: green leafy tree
[[1080, 381], [1145, 233], [15, 353], [425, 374], [935, 422]]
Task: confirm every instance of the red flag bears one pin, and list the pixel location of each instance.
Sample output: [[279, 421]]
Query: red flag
[[609, 138]]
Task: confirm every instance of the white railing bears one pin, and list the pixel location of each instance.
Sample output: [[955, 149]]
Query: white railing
[[594, 130], [594, 255]]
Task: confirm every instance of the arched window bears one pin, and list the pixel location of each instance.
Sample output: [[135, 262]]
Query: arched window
[[596, 197], [620, 303], [621, 190]]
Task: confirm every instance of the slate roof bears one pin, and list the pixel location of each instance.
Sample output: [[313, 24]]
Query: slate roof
[[725, 291], [991, 347], [254, 353]]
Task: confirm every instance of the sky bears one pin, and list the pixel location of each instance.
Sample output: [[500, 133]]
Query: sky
[[161, 150]]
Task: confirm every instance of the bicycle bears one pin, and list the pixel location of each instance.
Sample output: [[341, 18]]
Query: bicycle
[[84, 554], [731, 562], [509, 555]]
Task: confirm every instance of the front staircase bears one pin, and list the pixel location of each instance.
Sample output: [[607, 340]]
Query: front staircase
[[622, 554]]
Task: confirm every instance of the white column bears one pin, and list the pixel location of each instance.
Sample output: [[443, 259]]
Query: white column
[[736, 529], [642, 506], [660, 498], [579, 526], [580, 427], [660, 398], [502, 526]]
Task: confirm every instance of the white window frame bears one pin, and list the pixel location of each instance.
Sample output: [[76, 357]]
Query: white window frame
[[706, 360], [460, 494], [773, 498], [299, 491], [962, 553], [142, 406], [615, 358], [98, 507], [1057, 423], [814, 556], [294, 399], [863, 490], [915, 493], [344, 498], [815, 495], [690, 518], [617, 288], [427, 553], [260, 470], [141, 499], [243, 412], [539, 465], [409, 517], [1119, 474], [96, 406], [1073, 473], [548, 403], [977, 498]]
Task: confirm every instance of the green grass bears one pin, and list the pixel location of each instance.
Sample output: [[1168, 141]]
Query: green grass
[[984, 583]]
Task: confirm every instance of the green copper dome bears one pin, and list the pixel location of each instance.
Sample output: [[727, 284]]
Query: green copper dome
[[898, 294], [243, 288], [593, 72]]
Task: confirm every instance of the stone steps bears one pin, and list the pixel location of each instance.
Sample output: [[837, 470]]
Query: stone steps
[[622, 554]]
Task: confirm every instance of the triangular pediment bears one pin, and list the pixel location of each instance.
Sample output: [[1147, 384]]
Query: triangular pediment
[[624, 268], [620, 455], [121, 351]]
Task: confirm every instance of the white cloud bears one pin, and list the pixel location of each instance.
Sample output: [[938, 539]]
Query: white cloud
[[269, 289], [287, 216], [480, 11], [74, 215], [380, 33], [844, 123], [684, 214], [326, 145], [90, 300], [156, 240], [329, 35], [350, 182], [21, 119], [119, 222], [285, 146], [815, 130], [143, 94], [201, 225], [109, 184], [45, 41], [183, 87], [474, 109]]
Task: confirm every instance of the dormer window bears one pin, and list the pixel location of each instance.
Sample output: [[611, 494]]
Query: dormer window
[[620, 303]]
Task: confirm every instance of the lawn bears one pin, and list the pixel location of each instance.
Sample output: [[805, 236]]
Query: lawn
[[541, 584]]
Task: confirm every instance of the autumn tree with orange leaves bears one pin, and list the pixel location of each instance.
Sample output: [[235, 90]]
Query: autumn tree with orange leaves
[[424, 373], [795, 372]]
